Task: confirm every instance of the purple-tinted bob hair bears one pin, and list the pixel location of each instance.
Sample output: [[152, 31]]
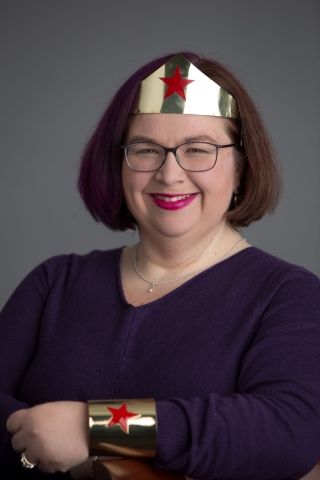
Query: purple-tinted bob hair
[[100, 178]]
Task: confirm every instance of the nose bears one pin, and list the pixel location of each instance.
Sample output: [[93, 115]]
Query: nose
[[170, 172]]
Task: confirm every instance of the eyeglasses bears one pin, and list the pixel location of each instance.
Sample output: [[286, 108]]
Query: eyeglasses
[[193, 157]]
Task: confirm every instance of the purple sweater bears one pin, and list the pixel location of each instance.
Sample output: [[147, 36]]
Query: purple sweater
[[232, 358]]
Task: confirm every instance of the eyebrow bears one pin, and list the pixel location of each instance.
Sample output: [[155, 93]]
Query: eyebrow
[[197, 138]]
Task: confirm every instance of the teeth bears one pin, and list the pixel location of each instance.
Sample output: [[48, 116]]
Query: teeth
[[172, 199]]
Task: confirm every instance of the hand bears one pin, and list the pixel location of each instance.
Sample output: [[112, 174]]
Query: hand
[[52, 435]]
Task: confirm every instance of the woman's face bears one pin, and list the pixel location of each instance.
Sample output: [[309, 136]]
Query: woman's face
[[211, 191]]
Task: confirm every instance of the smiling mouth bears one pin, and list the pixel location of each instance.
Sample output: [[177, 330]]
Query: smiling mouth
[[173, 199]]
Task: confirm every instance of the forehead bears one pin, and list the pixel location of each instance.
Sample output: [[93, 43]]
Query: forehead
[[175, 127]]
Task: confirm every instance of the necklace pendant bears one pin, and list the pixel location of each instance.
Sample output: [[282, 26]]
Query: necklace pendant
[[151, 288]]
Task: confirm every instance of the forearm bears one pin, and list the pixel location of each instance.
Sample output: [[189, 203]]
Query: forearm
[[125, 428], [239, 436]]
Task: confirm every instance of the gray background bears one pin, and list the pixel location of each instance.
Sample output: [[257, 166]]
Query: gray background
[[61, 60]]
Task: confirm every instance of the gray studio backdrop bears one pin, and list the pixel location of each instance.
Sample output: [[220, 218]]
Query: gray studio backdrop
[[61, 60]]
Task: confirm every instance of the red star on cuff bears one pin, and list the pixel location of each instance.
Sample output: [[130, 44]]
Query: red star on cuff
[[120, 416], [176, 84]]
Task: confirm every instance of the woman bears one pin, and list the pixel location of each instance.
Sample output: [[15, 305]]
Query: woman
[[223, 336]]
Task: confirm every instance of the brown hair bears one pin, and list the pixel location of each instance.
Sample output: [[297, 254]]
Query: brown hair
[[100, 180]]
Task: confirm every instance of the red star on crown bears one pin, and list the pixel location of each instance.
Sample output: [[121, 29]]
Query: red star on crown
[[120, 416], [176, 84]]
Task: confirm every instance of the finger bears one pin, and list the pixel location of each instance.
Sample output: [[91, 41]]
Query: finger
[[15, 420], [18, 442], [44, 467]]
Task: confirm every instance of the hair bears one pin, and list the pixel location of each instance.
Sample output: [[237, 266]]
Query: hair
[[100, 177]]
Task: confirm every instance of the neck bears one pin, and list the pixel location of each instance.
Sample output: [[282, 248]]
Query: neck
[[165, 256]]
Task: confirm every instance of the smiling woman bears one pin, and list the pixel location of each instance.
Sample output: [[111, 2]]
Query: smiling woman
[[195, 351], [208, 194]]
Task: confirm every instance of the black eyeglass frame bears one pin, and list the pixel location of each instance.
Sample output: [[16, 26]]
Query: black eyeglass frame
[[174, 151]]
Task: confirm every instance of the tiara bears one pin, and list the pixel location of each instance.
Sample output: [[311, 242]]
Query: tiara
[[180, 87]]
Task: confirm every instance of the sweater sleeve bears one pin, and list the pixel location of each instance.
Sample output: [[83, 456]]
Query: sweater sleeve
[[20, 321], [269, 428]]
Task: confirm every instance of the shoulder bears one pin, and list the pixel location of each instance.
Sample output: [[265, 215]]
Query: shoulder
[[58, 277], [262, 277], [281, 284], [269, 266], [70, 267]]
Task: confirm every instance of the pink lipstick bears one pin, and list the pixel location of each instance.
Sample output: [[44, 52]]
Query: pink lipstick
[[172, 201]]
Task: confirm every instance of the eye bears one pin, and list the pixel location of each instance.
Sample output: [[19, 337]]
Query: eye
[[144, 150], [195, 150], [147, 153], [198, 149]]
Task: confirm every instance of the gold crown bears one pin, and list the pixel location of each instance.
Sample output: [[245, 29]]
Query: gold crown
[[180, 87]]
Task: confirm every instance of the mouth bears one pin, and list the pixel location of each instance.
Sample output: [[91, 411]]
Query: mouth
[[173, 198], [173, 201]]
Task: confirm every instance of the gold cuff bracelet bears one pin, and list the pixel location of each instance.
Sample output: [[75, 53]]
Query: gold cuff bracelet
[[125, 428]]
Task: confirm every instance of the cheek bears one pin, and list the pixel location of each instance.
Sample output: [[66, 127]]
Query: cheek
[[133, 184], [229, 173], [221, 182], [218, 187]]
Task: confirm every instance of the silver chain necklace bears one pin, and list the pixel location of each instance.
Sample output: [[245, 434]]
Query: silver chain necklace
[[154, 284]]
